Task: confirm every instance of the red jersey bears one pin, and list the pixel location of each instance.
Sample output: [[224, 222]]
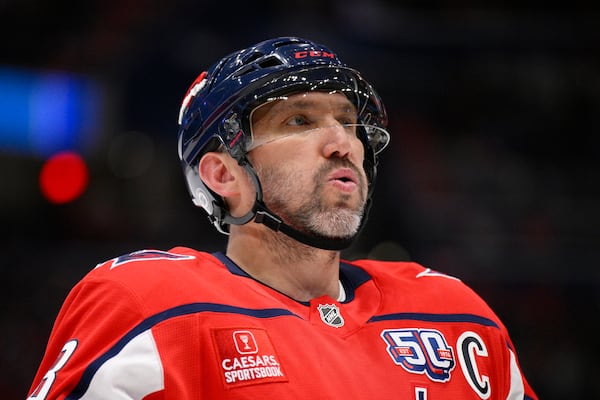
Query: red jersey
[[185, 324]]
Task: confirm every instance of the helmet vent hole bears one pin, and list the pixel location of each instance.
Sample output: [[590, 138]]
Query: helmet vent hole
[[269, 62], [285, 42], [252, 57], [253, 63], [244, 70]]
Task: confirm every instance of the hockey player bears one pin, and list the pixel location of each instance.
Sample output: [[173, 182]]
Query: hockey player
[[279, 145]]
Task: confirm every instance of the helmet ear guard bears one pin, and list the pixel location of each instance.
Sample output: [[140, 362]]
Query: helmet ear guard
[[205, 198], [213, 204], [215, 116]]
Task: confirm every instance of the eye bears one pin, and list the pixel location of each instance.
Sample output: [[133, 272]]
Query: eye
[[297, 120], [349, 122], [346, 120], [350, 128], [347, 117]]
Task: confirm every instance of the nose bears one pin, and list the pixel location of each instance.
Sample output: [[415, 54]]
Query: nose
[[337, 140]]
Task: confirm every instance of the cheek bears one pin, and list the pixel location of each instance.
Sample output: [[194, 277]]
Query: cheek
[[358, 150], [281, 163], [283, 177], [285, 181]]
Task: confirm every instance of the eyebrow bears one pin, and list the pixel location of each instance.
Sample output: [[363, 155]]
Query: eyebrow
[[287, 104], [307, 104]]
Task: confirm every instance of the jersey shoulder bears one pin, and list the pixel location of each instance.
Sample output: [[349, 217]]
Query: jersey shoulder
[[426, 289], [157, 277], [405, 272], [149, 262]]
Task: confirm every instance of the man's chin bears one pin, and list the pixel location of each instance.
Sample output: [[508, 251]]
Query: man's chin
[[343, 225]]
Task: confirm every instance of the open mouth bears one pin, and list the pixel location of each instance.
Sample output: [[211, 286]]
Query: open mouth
[[344, 178], [344, 175]]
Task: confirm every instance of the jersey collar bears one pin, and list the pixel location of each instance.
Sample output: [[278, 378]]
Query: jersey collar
[[351, 276]]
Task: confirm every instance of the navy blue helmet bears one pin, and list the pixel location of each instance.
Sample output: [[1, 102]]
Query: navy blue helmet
[[215, 114]]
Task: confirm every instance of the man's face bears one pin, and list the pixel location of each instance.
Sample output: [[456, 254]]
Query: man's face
[[310, 164]]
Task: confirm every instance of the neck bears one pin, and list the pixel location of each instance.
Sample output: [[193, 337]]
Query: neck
[[295, 269]]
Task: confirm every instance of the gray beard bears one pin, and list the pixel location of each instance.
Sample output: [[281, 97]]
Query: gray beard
[[312, 216]]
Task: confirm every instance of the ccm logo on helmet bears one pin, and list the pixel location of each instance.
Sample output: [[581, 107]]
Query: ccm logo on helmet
[[313, 53]]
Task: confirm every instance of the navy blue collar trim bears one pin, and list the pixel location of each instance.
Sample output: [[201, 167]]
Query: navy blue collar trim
[[351, 276]]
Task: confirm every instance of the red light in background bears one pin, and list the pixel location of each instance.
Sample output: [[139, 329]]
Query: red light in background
[[63, 178]]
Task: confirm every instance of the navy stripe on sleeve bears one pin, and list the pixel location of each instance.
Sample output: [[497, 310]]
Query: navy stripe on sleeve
[[149, 322], [472, 318]]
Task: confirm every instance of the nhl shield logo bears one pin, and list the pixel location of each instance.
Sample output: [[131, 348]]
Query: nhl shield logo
[[330, 314]]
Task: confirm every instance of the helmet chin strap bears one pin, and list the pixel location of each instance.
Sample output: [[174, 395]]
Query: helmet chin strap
[[262, 215], [266, 217]]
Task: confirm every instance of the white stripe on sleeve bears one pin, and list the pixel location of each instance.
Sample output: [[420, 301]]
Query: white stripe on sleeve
[[517, 390], [135, 372]]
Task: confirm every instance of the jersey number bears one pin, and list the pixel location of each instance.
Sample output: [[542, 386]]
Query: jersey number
[[43, 388]]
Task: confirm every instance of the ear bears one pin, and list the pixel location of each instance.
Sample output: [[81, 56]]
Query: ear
[[216, 171]]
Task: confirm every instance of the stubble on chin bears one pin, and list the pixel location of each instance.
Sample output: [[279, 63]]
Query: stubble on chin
[[312, 215]]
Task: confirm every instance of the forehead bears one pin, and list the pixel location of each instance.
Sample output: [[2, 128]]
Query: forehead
[[310, 101]]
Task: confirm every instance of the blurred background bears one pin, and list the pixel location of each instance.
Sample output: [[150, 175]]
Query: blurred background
[[491, 175]]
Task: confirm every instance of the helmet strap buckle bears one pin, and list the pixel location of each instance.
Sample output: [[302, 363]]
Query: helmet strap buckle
[[267, 219]]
